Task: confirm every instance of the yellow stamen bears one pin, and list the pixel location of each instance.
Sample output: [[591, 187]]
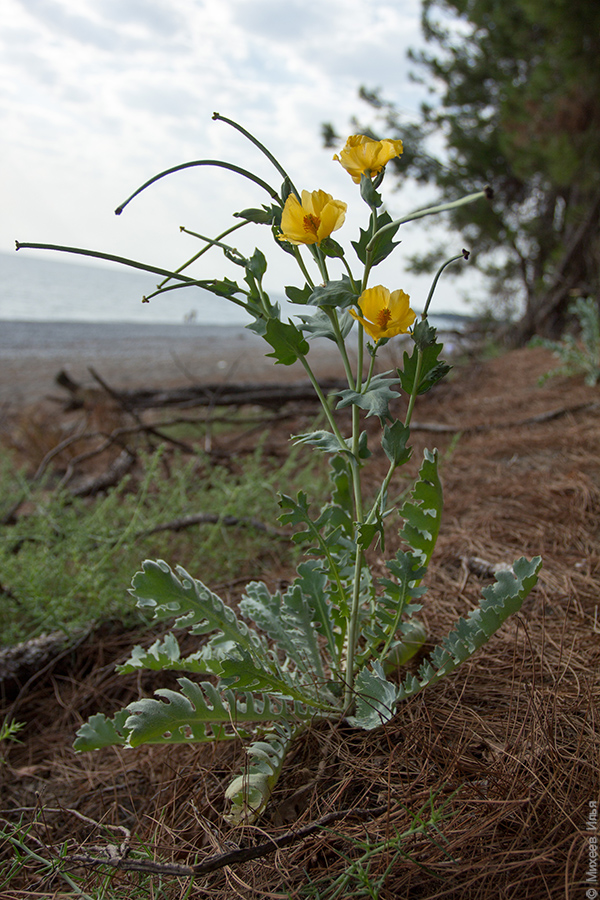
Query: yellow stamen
[[383, 317], [311, 223]]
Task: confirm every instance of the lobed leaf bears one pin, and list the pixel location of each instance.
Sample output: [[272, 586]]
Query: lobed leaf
[[374, 398], [199, 713], [287, 341], [158, 588], [422, 514], [100, 732]]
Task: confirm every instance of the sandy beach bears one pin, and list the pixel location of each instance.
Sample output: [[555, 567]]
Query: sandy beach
[[129, 355]]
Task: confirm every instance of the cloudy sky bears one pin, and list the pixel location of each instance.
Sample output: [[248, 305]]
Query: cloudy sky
[[96, 96]]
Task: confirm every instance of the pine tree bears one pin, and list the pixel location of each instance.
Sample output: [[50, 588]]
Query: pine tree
[[519, 109]]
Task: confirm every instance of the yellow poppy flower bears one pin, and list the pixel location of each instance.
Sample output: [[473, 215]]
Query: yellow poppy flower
[[313, 220], [364, 156], [384, 314]]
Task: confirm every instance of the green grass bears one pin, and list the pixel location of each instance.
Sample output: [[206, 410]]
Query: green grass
[[69, 561]]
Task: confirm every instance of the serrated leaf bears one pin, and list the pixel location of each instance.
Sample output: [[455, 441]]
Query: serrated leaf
[[428, 371], [376, 699], [322, 440], [375, 398], [393, 443], [287, 341], [382, 246], [313, 583]]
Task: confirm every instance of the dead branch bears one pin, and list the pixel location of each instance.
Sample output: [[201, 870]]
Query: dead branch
[[232, 857], [115, 472], [266, 395]]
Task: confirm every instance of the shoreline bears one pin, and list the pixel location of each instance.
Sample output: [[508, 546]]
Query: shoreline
[[131, 355]]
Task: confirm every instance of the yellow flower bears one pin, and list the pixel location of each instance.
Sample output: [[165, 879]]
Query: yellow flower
[[313, 220], [364, 156], [384, 314]]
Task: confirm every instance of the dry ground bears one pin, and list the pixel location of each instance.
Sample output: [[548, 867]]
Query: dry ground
[[511, 741]]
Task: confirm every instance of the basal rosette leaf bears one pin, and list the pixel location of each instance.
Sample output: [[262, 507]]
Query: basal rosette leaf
[[376, 698], [289, 621], [197, 608], [199, 713], [381, 631], [500, 600], [100, 731], [250, 792], [166, 654]]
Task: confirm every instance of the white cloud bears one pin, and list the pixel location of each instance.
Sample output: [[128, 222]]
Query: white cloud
[[96, 96]]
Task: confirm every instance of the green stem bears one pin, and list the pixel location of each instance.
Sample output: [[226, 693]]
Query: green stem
[[415, 390], [303, 268], [463, 255], [333, 318], [109, 256], [350, 275], [219, 118], [324, 403], [201, 284], [371, 367], [411, 405], [429, 211], [205, 249], [212, 242], [201, 162], [352, 632]]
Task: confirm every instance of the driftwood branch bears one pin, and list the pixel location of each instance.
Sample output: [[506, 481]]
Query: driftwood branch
[[267, 395], [232, 857]]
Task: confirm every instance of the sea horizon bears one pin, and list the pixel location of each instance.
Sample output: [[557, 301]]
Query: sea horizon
[[40, 291]]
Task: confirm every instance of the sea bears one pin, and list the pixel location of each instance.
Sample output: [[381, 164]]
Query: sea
[[34, 289]]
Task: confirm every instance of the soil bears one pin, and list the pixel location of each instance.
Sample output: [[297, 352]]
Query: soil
[[507, 748]]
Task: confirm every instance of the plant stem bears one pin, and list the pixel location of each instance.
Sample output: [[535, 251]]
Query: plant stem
[[303, 268], [324, 403]]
